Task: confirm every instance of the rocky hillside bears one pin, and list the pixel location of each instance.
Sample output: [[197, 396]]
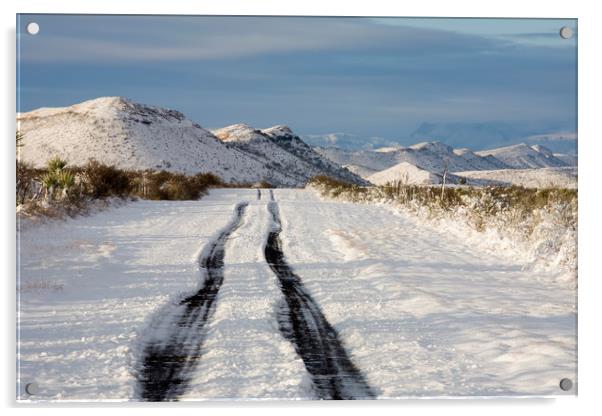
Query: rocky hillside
[[128, 135]]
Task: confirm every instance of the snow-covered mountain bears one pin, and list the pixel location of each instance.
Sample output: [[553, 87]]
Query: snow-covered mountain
[[119, 132], [570, 160], [522, 156], [431, 156], [362, 171], [281, 150], [424, 163], [285, 138]]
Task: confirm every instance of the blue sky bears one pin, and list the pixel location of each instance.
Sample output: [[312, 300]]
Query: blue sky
[[364, 76]]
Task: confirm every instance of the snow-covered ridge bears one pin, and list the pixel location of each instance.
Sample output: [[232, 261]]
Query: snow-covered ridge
[[128, 135], [280, 149], [432, 156], [409, 174], [425, 163], [522, 156], [284, 137], [565, 177]]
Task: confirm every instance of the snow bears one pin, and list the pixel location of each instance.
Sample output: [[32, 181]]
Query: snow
[[424, 163], [420, 311], [246, 357], [530, 178], [119, 132], [279, 148], [407, 173], [278, 130], [89, 286], [570, 160], [425, 313], [522, 156], [432, 156], [362, 171]]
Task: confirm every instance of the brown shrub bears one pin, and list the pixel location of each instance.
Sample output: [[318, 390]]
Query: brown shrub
[[101, 181]]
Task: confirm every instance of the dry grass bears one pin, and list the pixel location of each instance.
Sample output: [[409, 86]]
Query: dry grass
[[512, 205], [60, 190]]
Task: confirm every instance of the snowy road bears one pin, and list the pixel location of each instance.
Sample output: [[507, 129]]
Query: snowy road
[[414, 311], [176, 339]]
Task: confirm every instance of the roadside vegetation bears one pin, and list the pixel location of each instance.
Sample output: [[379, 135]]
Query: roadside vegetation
[[59, 189], [542, 222]]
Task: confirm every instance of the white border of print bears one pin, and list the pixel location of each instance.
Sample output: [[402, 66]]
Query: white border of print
[[589, 151]]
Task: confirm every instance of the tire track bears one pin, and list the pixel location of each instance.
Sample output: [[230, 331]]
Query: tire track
[[168, 360], [302, 322]]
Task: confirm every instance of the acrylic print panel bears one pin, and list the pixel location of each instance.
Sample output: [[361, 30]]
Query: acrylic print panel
[[295, 208]]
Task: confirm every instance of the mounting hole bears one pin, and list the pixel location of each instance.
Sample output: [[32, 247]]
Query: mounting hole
[[32, 388], [33, 28], [566, 32], [566, 384]]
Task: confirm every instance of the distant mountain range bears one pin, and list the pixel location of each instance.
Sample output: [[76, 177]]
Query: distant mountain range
[[426, 163], [556, 137], [347, 141], [119, 132]]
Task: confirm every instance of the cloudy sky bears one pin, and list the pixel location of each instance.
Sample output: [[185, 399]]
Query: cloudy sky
[[364, 76]]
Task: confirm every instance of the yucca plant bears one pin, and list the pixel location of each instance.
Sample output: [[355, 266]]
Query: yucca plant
[[19, 139], [57, 177], [49, 181], [56, 164], [65, 178]]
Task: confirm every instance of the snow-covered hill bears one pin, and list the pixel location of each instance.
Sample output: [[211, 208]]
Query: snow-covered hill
[[284, 137], [409, 174], [128, 135], [522, 156], [362, 171], [281, 150], [117, 131], [570, 160], [565, 177]]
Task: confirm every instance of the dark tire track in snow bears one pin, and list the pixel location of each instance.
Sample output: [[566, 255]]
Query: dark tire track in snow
[[167, 362], [302, 322]]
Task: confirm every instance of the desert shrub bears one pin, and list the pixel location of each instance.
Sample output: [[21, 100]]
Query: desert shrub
[[207, 180], [69, 190], [511, 205], [25, 181], [101, 181], [336, 187], [165, 185], [542, 221]]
